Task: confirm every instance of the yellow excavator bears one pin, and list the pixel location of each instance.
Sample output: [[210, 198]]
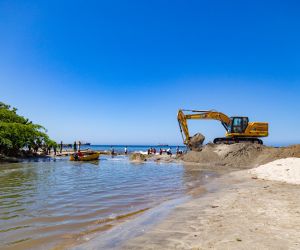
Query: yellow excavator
[[238, 128]]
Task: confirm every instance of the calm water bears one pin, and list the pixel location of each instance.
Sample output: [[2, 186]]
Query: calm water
[[46, 204]]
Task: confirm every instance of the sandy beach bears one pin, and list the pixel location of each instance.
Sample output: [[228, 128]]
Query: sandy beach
[[244, 213]]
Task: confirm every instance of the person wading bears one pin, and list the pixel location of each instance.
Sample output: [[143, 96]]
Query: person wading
[[54, 148], [112, 151], [61, 146]]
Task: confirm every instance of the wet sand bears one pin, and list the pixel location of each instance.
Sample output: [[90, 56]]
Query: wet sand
[[239, 212]]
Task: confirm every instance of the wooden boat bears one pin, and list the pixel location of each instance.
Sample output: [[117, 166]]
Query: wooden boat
[[86, 157]]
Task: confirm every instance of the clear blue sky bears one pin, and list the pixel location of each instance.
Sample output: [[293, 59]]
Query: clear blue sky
[[116, 72]]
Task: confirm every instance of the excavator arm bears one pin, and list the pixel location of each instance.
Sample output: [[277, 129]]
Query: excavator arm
[[199, 114]]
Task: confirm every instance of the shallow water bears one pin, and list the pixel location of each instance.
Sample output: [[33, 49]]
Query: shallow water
[[46, 204]]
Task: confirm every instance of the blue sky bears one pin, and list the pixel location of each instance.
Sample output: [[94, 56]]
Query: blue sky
[[116, 72]]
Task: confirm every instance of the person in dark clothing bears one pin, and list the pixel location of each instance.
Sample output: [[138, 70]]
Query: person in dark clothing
[[169, 152], [35, 148], [112, 151], [61, 146], [75, 146], [54, 149]]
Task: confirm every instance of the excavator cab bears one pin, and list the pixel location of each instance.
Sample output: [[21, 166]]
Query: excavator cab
[[238, 124]]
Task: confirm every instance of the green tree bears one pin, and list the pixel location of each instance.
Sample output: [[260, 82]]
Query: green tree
[[17, 132]]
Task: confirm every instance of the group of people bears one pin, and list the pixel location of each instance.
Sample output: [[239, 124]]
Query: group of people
[[167, 151], [161, 151], [54, 147], [75, 147], [77, 155], [151, 151], [178, 151], [113, 152]]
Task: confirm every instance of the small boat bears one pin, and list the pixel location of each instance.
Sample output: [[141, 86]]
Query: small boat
[[86, 157]]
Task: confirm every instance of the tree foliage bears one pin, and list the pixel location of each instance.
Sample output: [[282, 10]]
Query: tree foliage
[[17, 132]]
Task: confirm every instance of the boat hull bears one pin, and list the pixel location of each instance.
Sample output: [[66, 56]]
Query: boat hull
[[89, 157]]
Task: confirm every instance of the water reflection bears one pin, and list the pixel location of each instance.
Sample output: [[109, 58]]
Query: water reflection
[[45, 203]]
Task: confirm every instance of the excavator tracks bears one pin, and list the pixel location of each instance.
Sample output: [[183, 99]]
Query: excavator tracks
[[225, 140]]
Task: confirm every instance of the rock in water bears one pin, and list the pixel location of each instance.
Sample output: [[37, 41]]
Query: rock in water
[[196, 141], [138, 157]]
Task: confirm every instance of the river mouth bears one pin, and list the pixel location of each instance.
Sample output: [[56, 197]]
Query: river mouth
[[50, 203]]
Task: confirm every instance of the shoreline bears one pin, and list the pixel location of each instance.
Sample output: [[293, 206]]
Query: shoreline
[[236, 211], [241, 213], [119, 235], [129, 229], [226, 155]]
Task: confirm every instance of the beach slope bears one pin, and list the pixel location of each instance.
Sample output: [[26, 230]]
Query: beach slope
[[240, 211]]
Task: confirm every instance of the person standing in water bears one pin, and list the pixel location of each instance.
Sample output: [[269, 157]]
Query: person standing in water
[[54, 148], [61, 146], [125, 150], [169, 152], [75, 146]]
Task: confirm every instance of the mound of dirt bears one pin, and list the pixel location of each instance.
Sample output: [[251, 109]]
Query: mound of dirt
[[205, 154], [196, 142], [138, 157], [240, 155]]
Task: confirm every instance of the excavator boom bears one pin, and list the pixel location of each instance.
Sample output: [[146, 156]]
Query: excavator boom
[[199, 114]]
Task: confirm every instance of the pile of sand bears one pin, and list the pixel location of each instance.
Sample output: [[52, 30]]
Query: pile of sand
[[240, 155], [222, 154], [285, 170]]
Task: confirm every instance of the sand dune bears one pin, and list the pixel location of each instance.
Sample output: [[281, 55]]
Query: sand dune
[[285, 170]]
